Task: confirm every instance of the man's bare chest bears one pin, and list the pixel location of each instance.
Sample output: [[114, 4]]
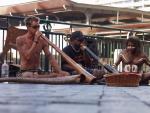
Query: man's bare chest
[[37, 48]]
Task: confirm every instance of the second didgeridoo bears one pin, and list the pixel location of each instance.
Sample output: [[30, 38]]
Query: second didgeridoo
[[106, 66], [89, 78]]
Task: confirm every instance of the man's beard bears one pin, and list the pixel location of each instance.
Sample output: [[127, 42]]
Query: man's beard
[[77, 47], [133, 51]]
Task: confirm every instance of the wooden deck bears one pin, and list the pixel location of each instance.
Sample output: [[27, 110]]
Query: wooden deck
[[34, 98]]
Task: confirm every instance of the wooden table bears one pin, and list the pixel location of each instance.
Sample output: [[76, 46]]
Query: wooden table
[[34, 98]]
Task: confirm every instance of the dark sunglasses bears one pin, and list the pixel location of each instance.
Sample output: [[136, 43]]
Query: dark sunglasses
[[132, 45], [35, 27], [80, 39]]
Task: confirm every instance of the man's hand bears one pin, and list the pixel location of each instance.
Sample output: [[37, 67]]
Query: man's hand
[[82, 46], [38, 34]]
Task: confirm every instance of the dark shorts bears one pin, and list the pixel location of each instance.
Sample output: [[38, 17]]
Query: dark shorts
[[38, 71]]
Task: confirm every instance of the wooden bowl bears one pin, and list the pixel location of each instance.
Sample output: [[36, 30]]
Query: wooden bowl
[[123, 79]]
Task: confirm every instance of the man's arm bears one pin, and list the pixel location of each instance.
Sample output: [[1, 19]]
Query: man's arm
[[52, 60], [119, 59], [65, 65]]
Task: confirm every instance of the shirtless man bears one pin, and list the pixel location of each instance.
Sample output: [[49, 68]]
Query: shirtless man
[[30, 45], [133, 58]]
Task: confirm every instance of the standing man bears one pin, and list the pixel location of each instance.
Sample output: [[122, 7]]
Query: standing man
[[30, 45]]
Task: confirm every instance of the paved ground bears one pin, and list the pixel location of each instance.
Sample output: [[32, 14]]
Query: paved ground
[[33, 98]]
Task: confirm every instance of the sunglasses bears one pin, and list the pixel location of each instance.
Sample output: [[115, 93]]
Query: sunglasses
[[35, 27], [80, 40], [131, 45]]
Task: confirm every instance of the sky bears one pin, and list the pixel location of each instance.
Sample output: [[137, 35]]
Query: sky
[[9, 2]]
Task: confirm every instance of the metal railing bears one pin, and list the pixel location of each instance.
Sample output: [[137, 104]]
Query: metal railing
[[105, 46]]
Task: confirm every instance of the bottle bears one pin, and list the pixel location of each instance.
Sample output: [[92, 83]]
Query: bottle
[[5, 70]]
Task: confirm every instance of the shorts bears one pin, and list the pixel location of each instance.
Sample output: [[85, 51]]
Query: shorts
[[29, 71]]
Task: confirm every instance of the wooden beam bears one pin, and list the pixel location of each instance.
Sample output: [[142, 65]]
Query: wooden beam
[[90, 31]]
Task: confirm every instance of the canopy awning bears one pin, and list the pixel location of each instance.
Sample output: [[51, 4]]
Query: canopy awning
[[66, 10]]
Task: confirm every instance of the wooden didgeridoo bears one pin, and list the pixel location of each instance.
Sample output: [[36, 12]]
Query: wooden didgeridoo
[[89, 78], [54, 80], [106, 66]]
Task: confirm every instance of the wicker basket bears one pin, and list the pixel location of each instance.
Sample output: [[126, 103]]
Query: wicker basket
[[123, 79]]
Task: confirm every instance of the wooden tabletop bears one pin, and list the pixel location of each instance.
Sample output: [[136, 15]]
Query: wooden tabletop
[[34, 98]]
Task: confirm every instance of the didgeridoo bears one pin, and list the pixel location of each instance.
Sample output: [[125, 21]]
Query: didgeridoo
[[89, 78], [106, 66]]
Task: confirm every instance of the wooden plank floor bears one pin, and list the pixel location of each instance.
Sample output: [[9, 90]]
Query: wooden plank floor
[[34, 98]]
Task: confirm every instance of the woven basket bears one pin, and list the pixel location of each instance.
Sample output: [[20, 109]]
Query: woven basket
[[123, 79]]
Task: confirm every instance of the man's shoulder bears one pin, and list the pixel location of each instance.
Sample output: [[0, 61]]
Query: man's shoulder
[[67, 47]]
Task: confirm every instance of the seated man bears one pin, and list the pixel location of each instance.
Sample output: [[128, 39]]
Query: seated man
[[133, 58], [29, 46], [75, 51]]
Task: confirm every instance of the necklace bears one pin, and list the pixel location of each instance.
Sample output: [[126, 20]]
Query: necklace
[[77, 51]]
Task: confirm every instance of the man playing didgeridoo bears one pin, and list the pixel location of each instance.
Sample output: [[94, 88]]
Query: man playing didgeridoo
[[30, 45], [133, 59], [74, 50]]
